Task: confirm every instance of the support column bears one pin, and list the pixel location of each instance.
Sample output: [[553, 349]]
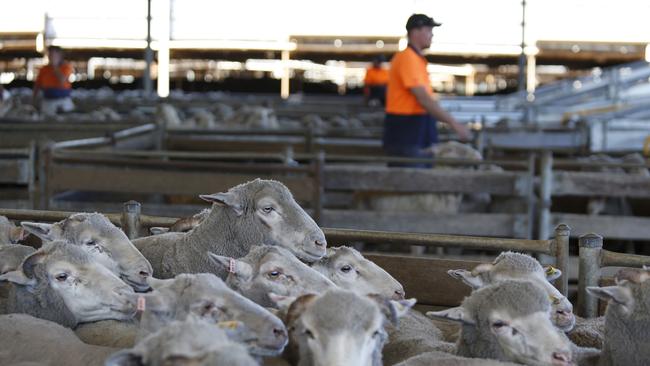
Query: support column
[[148, 56], [284, 82], [546, 187], [163, 48], [589, 273], [131, 219], [562, 233]]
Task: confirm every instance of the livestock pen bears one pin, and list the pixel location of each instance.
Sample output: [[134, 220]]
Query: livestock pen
[[315, 179], [592, 259], [424, 278]]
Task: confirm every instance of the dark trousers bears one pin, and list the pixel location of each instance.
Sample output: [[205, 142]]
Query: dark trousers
[[408, 136]]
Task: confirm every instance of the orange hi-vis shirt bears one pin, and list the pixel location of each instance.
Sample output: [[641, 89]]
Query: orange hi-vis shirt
[[47, 80], [408, 69], [376, 76]]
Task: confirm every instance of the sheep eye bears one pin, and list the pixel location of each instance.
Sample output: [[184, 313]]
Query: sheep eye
[[91, 242], [61, 277], [274, 274], [309, 334], [346, 268], [267, 209], [498, 324]]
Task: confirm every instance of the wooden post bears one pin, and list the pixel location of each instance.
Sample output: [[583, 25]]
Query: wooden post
[[562, 233], [45, 160], [589, 272], [546, 187], [131, 219]]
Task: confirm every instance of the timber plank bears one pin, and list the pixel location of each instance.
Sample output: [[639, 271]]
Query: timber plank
[[426, 279]]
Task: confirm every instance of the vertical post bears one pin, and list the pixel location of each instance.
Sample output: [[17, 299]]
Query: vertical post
[[590, 246], [131, 219], [45, 159], [148, 56], [521, 79], [32, 176], [562, 233], [284, 82], [319, 163], [163, 48], [546, 187], [530, 196]]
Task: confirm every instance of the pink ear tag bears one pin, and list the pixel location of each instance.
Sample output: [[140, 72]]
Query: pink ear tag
[[232, 266], [142, 304]]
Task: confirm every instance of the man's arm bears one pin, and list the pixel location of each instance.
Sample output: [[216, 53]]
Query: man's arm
[[60, 76], [433, 108]]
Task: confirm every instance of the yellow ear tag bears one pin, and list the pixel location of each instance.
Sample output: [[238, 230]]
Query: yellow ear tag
[[232, 324]]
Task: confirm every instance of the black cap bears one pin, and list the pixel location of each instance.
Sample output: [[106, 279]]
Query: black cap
[[420, 20]]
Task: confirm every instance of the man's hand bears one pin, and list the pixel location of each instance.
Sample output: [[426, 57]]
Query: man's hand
[[463, 133]]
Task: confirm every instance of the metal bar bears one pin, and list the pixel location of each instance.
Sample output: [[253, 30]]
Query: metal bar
[[341, 236], [613, 259], [562, 233], [590, 247], [230, 167], [133, 131], [530, 200], [131, 219], [53, 216], [92, 141], [319, 190]]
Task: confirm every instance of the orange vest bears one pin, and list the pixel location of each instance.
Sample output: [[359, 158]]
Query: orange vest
[[376, 76], [408, 69], [46, 78]]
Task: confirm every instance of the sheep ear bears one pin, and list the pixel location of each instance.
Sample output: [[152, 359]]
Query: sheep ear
[[617, 294], [297, 307], [228, 199], [124, 358], [18, 277], [17, 234], [552, 273], [475, 282], [393, 309], [43, 231], [157, 230], [239, 268], [457, 314]]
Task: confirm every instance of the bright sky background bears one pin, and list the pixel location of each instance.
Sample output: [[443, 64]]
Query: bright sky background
[[488, 22]]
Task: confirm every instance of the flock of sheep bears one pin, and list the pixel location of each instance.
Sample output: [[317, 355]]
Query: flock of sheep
[[253, 282]]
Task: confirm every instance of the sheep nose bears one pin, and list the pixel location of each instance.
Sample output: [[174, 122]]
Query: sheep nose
[[561, 359], [280, 333], [320, 243], [398, 295], [144, 274]]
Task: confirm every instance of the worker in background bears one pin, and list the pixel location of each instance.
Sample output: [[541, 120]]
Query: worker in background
[[54, 80], [412, 111], [374, 84]]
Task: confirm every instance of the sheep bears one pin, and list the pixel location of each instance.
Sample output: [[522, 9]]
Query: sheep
[[613, 205], [348, 269], [268, 269], [10, 233], [105, 242], [247, 215], [12, 255], [518, 266], [189, 343], [627, 326], [445, 359], [62, 283], [339, 327], [27, 340], [166, 115], [203, 296], [509, 321], [253, 117], [447, 203]]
